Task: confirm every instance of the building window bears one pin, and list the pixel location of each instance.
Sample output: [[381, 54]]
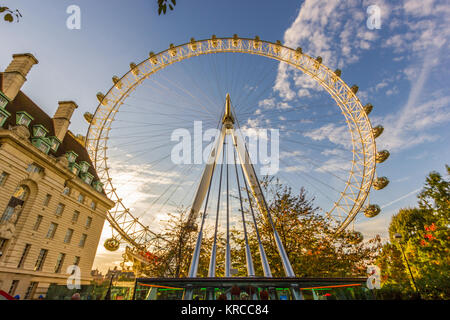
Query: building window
[[71, 156], [75, 168], [3, 177], [40, 260], [87, 177], [23, 118], [3, 113], [88, 222], [84, 166], [55, 143], [66, 191], [42, 144], [59, 262], [34, 168], [31, 290], [81, 198], [2, 246], [75, 216], [68, 236], [98, 186], [59, 210], [51, 230], [82, 240], [47, 199], [3, 117], [39, 131], [13, 288], [76, 262], [3, 101], [37, 224], [93, 205], [15, 205], [24, 255]]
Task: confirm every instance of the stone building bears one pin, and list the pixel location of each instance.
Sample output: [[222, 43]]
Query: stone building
[[52, 205]]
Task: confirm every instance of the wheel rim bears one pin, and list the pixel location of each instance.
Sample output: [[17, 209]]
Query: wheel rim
[[361, 175]]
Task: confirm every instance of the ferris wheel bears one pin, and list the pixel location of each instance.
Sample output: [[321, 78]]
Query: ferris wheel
[[327, 147]]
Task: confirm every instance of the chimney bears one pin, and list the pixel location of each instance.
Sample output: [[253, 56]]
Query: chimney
[[16, 73], [61, 119]]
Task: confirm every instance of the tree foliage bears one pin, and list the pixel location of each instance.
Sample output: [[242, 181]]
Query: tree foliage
[[309, 238], [312, 245], [425, 241], [164, 4]]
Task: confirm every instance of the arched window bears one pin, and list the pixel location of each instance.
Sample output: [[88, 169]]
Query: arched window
[[15, 204]]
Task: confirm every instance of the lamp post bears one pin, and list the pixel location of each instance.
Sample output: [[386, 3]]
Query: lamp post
[[108, 293], [398, 237]]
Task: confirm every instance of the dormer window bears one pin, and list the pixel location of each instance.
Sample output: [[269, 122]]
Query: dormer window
[[87, 177], [3, 116], [71, 156], [39, 131], [35, 168], [3, 101], [55, 143], [98, 186], [23, 118], [42, 144], [75, 168], [84, 166]]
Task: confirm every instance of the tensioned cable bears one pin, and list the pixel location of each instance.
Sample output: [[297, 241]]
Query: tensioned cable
[[228, 253], [202, 91], [315, 179], [196, 255], [164, 103], [187, 92], [176, 93], [212, 261], [317, 165], [246, 105], [262, 253], [281, 250], [248, 254]]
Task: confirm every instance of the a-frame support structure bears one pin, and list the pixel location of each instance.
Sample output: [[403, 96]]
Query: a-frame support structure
[[251, 183]]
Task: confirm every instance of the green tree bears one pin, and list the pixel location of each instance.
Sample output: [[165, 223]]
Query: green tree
[[435, 196], [164, 4], [173, 250], [312, 245], [308, 236], [425, 241]]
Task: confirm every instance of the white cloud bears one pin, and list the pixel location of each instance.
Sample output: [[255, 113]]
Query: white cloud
[[336, 134], [335, 165], [298, 168], [290, 154], [267, 103], [418, 8], [315, 29], [333, 152], [407, 127], [375, 226]]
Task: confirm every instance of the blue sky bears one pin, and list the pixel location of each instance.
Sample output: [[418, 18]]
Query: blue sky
[[400, 68]]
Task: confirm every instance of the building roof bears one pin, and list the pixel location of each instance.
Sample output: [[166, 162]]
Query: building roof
[[1, 81], [23, 103]]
